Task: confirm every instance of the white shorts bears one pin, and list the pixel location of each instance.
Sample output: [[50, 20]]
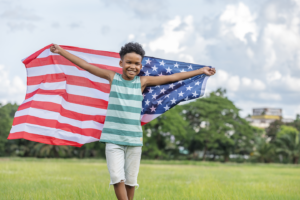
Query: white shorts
[[123, 163]]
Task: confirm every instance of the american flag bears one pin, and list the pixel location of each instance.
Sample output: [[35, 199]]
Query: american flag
[[66, 105]]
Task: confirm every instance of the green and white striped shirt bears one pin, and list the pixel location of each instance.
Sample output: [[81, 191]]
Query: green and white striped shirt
[[122, 124]]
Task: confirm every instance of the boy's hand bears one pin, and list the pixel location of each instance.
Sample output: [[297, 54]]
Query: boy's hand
[[208, 71], [55, 49]]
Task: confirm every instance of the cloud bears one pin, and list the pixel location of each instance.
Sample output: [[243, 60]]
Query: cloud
[[55, 25], [19, 13], [74, 25], [238, 20], [173, 35], [19, 26], [19, 18], [11, 90], [141, 8], [105, 29]]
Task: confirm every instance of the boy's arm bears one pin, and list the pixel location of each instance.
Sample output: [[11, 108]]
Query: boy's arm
[[160, 80], [103, 73]]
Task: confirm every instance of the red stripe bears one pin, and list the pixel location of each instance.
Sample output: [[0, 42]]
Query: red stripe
[[63, 112], [72, 98], [52, 123], [71, 80], [34, 55], [47, 78], [48, 92], [41, 139], [97, 52], [57, 59]]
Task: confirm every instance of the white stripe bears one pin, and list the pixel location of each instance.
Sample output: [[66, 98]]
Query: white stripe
[[123, 114], [67, 69], [125, 90], [124, 127], [43, 70], [47, 86], [88, 110], [121, 138], [86, 91], [202, 92], [46, 114], [148, 117], [90, 58], [52, 132], [71, 89], [125, 102]]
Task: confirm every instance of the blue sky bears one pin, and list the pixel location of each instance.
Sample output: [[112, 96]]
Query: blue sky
[[254, 45]]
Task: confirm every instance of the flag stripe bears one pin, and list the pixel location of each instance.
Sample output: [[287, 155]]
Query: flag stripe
[[52, 132], [76, 99], [41, 139], [64, 112], [90, 58], [70, 89], [50, 115], [70, 79], [68, 105], [59, 60], [52, 123]]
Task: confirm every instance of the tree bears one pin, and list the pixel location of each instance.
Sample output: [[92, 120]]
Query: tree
[[265, 151], [47, 150], [7, 113], [158, 133], [216, 125], [288, 143], [273, 129]]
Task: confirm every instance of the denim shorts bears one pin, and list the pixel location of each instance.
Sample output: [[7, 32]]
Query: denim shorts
[[123, 163]]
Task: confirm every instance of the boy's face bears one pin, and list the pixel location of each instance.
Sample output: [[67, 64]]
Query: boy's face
[[131, 64]]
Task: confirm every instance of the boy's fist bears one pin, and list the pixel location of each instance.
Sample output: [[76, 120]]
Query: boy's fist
[[208, 71], [55, 49]]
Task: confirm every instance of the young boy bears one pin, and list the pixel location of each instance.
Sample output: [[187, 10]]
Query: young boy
[[122, 131]]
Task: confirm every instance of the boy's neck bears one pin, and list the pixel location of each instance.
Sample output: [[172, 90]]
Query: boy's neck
[[127, 78]]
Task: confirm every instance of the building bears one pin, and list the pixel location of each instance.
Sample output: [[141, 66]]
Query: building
[[263, 117]]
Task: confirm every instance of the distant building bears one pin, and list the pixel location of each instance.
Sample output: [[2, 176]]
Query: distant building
[[263, 117]]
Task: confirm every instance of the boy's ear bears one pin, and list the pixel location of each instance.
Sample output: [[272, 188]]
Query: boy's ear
[[120, 63]]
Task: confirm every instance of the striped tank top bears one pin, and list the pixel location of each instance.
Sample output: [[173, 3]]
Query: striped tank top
[[122, 124]]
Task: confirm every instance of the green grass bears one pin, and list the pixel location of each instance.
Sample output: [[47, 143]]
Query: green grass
[[88, 179]]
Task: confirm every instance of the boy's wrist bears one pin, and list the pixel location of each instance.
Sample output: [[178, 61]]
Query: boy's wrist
[[201, 71]]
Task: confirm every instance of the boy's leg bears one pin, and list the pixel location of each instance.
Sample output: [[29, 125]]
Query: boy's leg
[[115, 164], [132, 165]]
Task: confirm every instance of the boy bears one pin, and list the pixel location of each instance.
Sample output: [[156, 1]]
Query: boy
[[122, 131]]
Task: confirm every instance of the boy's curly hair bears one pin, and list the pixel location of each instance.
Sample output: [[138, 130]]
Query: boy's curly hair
[[132, 47]]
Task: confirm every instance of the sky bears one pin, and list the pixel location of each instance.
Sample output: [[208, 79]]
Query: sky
[[254, 45]]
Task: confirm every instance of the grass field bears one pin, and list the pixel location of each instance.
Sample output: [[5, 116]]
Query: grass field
[[88, 179]]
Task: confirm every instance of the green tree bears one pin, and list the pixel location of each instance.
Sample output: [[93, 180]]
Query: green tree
[[216, 126], [264, 151], [47, 150], [7, 113], [158, 132], [288, 143]]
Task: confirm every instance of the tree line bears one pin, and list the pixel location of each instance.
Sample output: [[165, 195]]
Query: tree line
[[208, 128]]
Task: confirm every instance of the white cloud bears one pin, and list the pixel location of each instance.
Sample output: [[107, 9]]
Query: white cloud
[[240, 21], [11, 90], [273, 76], [171, 39], [131, 37], [270, 96], [233, 83]]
